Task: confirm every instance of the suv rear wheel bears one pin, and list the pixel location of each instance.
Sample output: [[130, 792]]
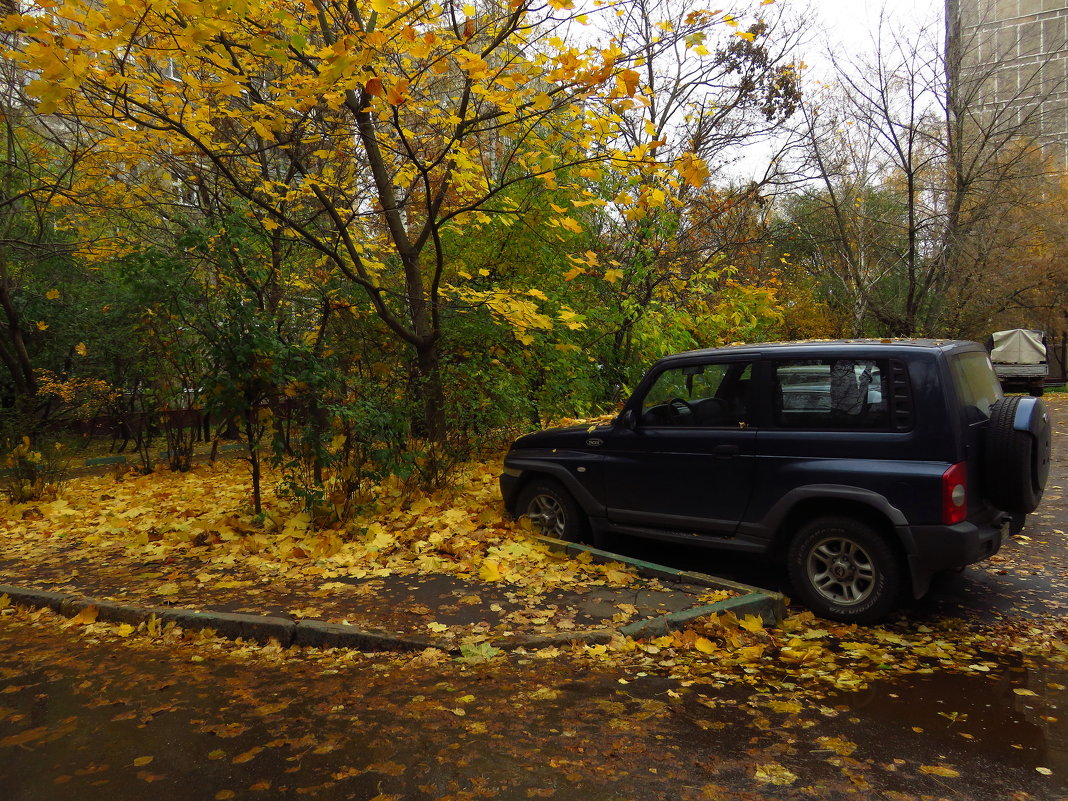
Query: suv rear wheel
[[842, 569], [551, 510]]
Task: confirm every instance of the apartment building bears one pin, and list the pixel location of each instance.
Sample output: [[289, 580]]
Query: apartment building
[[1016, 51]]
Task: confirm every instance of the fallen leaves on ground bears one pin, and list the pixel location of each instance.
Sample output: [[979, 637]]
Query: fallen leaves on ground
[[189, 539]]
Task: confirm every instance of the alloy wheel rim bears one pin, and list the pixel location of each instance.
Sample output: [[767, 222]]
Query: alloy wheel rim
[[547, 515], [841, 571]]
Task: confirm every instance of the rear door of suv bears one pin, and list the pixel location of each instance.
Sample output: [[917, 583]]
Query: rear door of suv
[[840, 423]]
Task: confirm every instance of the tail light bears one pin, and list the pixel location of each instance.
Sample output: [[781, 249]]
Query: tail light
[[955, 494]]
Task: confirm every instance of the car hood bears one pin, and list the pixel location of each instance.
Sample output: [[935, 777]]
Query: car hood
[[568, 437]]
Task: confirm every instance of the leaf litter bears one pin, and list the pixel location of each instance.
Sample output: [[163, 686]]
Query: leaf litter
[[786, 673], [189, 539]]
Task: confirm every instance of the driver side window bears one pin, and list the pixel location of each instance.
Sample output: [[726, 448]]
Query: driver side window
[[699, 396]]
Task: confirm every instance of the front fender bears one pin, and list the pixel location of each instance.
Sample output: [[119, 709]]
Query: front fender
[[577, 472]]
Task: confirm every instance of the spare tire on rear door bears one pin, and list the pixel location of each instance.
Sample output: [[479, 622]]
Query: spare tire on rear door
[[1016, 462]]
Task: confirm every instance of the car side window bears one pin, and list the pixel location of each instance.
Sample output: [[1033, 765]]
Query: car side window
[[712, 395], [976, 382], [831, 394]]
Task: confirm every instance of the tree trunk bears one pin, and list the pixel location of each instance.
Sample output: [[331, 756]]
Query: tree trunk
[[252, 440], [431, 390], [15, 356]]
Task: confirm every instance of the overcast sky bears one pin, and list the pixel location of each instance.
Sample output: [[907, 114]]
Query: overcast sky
[[850, 24], [846, 27]]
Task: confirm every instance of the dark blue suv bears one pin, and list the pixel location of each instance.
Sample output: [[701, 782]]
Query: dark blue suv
[[866, 465]]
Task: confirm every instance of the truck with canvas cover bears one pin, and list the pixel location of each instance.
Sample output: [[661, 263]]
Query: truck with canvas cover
[[1019, 357]]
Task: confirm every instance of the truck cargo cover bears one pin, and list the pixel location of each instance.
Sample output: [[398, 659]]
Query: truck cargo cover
[[1018, 346]]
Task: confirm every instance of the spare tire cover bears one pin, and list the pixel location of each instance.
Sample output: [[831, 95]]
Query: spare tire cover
[[1017, 454]]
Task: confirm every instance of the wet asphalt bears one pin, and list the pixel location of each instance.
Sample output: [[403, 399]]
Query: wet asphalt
[[89, 719]]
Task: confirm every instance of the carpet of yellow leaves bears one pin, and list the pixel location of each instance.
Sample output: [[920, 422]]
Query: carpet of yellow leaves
[[189, 539], [461, 531], [161, 519]]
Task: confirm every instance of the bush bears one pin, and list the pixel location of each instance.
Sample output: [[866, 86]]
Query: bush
[[33, 475]]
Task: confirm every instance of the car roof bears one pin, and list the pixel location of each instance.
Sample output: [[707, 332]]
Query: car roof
[[814, 348]]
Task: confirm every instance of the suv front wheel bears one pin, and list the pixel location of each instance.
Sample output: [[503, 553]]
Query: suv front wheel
[[842, 569], [552, 511]]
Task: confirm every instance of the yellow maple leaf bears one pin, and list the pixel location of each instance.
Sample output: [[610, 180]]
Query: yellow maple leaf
[[751, 623], [774, 773], [611, 276], [490, 571], [381, 6], [940, 770], [704, 645], [838, 745], [627, 81], [86, 616], [42, 326], [124, 630], [80, 349], [693, 170], [398, 92], [52, 294], [786, 708]]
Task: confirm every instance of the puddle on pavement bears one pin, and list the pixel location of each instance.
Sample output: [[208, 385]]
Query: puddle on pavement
[[1015, 715]]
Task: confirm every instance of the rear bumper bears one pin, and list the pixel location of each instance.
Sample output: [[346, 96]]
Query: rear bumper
[[935, 548]]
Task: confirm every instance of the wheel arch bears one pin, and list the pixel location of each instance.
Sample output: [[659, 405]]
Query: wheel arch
[[533, 469], [869, 508]]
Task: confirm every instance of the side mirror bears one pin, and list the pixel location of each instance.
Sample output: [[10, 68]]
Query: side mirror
[[628, 419]]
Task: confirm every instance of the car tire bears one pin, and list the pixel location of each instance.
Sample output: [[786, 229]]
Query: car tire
[[843, 569], [1016, 463], [552, 510]]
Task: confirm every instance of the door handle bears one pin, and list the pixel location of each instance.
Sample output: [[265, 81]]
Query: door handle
[[725, 451]]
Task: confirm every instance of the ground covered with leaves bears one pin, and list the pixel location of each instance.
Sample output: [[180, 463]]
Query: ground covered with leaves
[[448, 565], [918, 708], [97, 710]]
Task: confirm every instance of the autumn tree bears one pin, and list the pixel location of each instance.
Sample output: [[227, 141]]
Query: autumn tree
[[39, 171], [672, 238], [391, 127], [906, 124]]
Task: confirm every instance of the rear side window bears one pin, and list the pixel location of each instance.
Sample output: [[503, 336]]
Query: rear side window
[[835, 394], [976, 383]]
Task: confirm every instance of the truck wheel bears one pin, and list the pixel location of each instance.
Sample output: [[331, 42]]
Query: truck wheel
[[843, 569], [552, 511], [1016, 462]]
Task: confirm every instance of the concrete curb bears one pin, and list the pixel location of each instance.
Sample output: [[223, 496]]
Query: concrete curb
[[320, 634], [769, 606]]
